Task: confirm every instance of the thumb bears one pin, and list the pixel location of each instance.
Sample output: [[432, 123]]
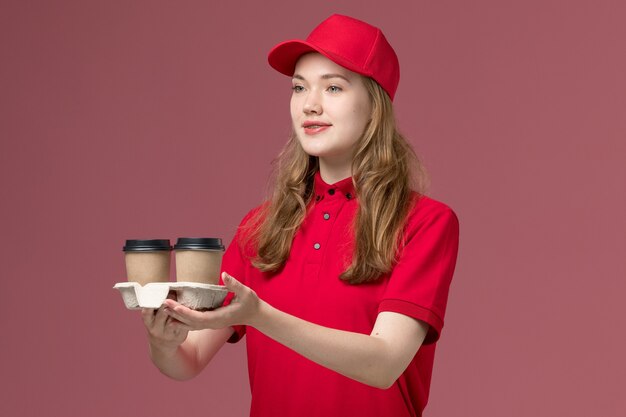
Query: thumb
[[232, 284]]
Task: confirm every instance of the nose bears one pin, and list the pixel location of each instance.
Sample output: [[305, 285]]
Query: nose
[[312, 104]]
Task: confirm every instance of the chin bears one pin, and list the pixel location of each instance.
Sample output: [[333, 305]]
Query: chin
[[314, 154], [312, 150]]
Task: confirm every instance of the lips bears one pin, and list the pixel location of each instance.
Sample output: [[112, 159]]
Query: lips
[[314, 127], [314, 124]]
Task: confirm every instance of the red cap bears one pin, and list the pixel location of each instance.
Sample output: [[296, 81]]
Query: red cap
[[351, 43]]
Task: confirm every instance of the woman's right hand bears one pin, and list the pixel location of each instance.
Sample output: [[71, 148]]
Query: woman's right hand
[[164, 332], [178, 353]]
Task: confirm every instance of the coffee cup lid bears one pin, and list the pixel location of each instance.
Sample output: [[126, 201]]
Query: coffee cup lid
[[199, 243], [147, 245]]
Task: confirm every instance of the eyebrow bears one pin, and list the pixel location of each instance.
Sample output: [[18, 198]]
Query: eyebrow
[[324, 77]]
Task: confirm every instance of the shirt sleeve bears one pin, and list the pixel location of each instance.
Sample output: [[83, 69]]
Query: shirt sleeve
[[419, 283], [235, 263]]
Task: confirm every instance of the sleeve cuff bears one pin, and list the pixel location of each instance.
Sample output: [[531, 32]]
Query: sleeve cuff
[[239, 332], [435, 323]]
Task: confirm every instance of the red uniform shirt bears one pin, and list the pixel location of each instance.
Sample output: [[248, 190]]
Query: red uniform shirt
[[284, 383]]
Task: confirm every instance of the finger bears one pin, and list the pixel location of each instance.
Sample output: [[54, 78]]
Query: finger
[[160, 317], [183, 315], [232, 284], [170, 303], [147, 315], [199, 320]]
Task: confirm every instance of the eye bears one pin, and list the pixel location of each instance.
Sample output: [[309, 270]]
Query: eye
[[297, 88], [334, 89]]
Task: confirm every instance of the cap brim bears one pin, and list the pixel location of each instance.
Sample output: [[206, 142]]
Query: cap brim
[[284, 56]]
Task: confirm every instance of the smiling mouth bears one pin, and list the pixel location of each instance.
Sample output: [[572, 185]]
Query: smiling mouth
[[310, 129]]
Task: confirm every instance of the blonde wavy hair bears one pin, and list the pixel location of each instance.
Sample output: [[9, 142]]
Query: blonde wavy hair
[[384, 170]]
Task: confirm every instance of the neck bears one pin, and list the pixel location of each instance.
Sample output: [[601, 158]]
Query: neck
[[334, 171]]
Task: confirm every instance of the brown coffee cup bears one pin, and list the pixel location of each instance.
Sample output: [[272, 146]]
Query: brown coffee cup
[[198, 260], [147, 260]]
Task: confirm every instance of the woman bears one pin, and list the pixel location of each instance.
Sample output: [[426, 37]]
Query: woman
[[340, 279]]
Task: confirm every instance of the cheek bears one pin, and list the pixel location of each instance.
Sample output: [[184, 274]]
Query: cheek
[[360, 116]]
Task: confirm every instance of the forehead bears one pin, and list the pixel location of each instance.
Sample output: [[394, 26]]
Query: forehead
[[313, 64]]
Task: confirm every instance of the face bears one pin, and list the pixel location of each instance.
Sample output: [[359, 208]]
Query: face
[[330, 108]]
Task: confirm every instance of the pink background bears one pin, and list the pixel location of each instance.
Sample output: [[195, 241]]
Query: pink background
[[127, 119]]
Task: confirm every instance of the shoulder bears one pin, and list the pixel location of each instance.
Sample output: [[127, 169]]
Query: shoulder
[[253, 215], [245, 235], [426, 212]]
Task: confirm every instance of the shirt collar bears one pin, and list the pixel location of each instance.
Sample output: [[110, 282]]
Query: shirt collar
[[344, 188]]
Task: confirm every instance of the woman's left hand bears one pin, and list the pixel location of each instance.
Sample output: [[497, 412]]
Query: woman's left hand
[[243, 309]]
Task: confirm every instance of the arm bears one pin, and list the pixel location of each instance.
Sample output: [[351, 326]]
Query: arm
[[178, 352], [377, 359]]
